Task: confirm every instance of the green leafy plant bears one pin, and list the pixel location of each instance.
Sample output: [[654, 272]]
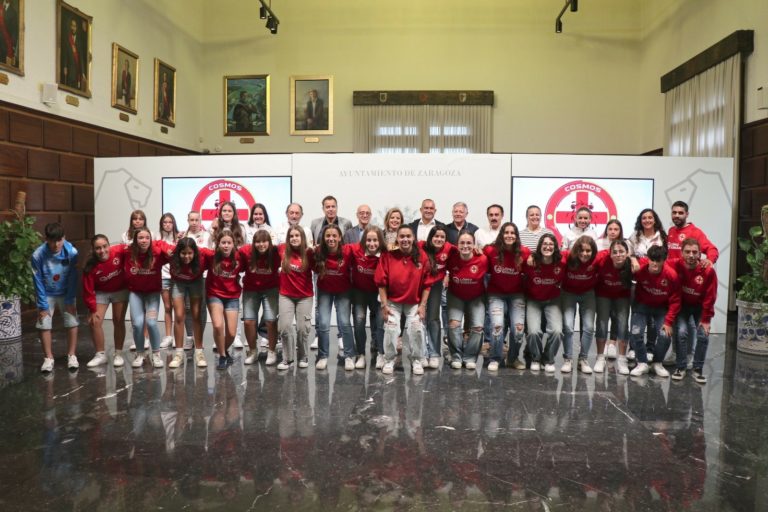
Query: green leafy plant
[[754, 285], [18, 240]]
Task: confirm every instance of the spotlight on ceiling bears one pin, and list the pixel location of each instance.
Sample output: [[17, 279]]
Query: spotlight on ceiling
[[262, 12], [266, 13], [558, 26], [574, 5]]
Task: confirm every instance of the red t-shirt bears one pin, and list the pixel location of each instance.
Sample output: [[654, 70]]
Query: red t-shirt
[[146, 280], [677, 235], [404, 280], [105, 276], [466, 276], [185, 273], [698, 287], [584, 277], [507, 276], [337, 272], [261, 277], [441, 258], [297, 283], [660, 290], [609, 284], [364, 269], [543, 282], [224, 283]]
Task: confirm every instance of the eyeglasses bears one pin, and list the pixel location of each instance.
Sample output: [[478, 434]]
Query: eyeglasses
[[363, 213]]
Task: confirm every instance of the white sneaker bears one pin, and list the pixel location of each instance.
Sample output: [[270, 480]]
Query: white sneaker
[[567, 366], [200, 361], [600, 364], [417, 368], [253, 357], [549, 368], [470, 365], [535, 366], [263, 342], [360, 362], [189, 343], [118, 361], [157, 361], [518, 365], [631, 355], [456, 365], [271, 358], [304, 363], [99, 359], [341, 344], [167, 342], [178, 358], [640, 369], [47, 366], [72, 362], [238, 343], [659, 370], [349, 364], [388, 368], [434, 362], [313, 345], [285, 365], [610, 351], [493, 366], [138, 361], [621, 365], [584, 367], [380, 362], [689, 359], [321, 364], [131, 345]]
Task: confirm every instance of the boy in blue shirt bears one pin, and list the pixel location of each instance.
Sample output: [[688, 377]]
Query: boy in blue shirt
[[54, 265]]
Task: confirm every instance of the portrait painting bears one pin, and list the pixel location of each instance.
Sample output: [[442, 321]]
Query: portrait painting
[[125, 79], [246, 105], [73, 49], [12, 36], [165, 93], [311, 105]]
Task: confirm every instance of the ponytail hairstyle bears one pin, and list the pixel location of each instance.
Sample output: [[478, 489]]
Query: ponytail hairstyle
[[262, 236], [415, 253], [431, 250], [626, 270], [573, 260], [174, 230], [556, 255], [323, 252], [218, 258], [135, 214], [500, 247], [379, 235], [285, 264], [234, 226], [583, 209], [93, 260], [186, 243]]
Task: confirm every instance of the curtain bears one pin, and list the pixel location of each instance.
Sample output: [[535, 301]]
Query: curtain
[[423, 129]]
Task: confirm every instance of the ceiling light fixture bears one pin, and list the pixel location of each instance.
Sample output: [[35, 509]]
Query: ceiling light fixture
[[266, 12], [574, 5]]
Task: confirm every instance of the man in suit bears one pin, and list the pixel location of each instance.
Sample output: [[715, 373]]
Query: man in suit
[[330, 216], [422, 226], [353, 235], [314, 114], [125, 84], [74, 61]]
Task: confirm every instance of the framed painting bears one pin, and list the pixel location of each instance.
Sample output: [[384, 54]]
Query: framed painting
[[246, 105], [12, 36], [125, 79], [312, 105], [165, 94], [73, 49]]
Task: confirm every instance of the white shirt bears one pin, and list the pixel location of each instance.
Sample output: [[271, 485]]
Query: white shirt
[[639, 244], [282, 231], [570, 237], [251, 230], [422, 231], [486, 236]]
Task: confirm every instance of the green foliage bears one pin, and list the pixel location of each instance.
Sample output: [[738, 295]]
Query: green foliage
[[754, 285], [18, 240]]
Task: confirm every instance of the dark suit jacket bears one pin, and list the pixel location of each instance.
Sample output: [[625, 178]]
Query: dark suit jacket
[[316, 121], [317, 226], [415, 226]]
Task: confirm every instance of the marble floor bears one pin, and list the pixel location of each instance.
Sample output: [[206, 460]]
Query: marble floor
[[253, 438]]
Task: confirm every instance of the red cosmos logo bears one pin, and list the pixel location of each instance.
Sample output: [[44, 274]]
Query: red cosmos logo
[[562, 205]]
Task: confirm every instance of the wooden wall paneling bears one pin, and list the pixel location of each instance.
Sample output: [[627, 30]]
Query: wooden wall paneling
[[760, 140], [759, 198], [745, 203], [25, 129], [85, 141], [5, 195], [89, 171], [129, 148], [41, 219], [57, 136], [147, 150], [109, 145], [89, 227], [73, 168], [74, 226], [34, 190], [82, 198], [3, 124], [13, 160], [753, 172], [43, 165], [58, 197]]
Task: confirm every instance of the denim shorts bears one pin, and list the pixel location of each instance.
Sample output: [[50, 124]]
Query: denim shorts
[[195, 288], [227, 304], [167, 284], [55, 303], [110, 297], [265, 299]]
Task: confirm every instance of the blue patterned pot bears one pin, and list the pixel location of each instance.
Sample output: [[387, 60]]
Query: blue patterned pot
[[752, 328], [10, 318]]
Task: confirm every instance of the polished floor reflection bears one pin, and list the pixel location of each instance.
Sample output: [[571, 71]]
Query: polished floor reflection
[[253, 438]]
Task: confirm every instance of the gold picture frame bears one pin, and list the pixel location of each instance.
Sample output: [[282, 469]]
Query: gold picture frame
[[125, 79], [73, 49], [311, 115], [164, 104], [12, 59], [246, 105]]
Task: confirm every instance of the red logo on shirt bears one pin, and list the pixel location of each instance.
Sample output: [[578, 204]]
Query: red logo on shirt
[[699, 279], [557, 270], [562, 205], [56, 277], [443, 257], [473, 269], [664, 282], [116, 261]]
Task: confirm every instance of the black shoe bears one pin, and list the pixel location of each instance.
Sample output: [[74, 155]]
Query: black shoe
[[678, 374], [698, 376], [222, 363]]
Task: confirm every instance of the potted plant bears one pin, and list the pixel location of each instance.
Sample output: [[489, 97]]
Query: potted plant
[[18, 240], [752, 297]]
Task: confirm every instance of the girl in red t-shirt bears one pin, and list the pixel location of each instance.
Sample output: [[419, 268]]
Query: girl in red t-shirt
[[437, 249], [613, 288], [186, 270], [365, 295], [296, 294]]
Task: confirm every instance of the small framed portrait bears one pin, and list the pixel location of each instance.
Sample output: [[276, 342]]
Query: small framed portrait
[[246, 105], [73, 48], [125, 77], [312, 105], [165, 93], [12, 36]]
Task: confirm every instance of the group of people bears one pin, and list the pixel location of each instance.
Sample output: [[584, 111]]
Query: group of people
[[634, 296]]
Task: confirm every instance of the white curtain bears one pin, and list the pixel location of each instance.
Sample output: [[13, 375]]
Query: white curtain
[[702, 115], [423, 129]]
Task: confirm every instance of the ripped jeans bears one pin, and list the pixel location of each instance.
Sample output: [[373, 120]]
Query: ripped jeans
[[144, 308], [515, 307], [475, 311], [413, 334], [300, 309]]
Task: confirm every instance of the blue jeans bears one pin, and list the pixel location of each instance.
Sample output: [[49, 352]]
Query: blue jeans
[[253, 301], [514, 306], [325, 301], [642, 316], [688, 316], [144, 308], [364, 303], [413, 335], [615, 310], [434, 338], [587, 309], [554, 329], [475, 311]]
